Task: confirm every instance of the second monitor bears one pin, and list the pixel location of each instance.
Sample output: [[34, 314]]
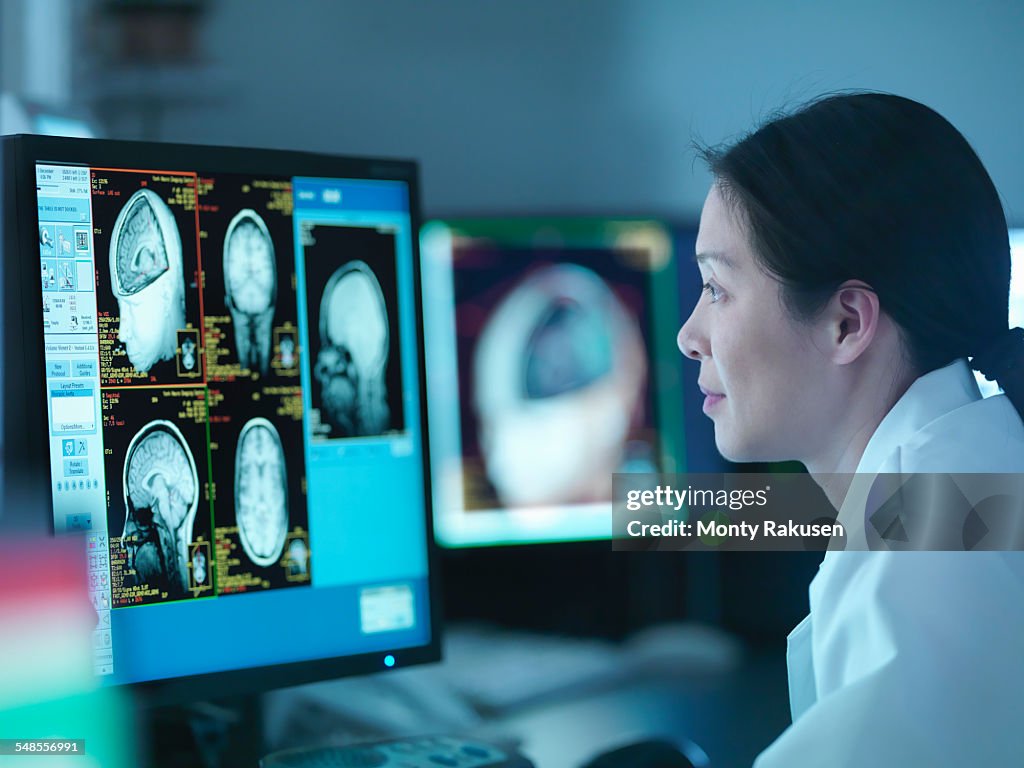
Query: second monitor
[[551, 365]]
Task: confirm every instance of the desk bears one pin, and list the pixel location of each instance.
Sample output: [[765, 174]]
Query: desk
[[733, 717]]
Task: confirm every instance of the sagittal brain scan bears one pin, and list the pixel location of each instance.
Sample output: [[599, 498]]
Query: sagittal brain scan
[[354, 364], [250, 281], [147, 279], [161, 493], [353, 355], [558, 377], [261, 492]]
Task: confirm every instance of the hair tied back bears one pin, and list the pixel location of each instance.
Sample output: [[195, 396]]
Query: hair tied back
[[1002, 356]]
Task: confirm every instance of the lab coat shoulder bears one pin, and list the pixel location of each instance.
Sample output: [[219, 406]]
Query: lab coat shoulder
[[916, 656], [981, 436]]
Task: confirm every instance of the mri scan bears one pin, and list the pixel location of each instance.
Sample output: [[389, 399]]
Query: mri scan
[[261, 492], [352, 363], [559, 371], [161, 493], [188, 354], [287, 352], [198, 567], [250, 281], [148, 279], [298, 559]]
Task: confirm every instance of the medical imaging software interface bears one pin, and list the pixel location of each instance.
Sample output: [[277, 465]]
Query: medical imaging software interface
[[231, 383]]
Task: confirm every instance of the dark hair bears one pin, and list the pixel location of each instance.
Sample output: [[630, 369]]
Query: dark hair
[[880, 188]]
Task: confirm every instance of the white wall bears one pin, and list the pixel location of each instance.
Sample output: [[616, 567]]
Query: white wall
[[576, 106]]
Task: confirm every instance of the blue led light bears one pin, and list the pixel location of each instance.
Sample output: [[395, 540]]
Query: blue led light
[[389, 660]]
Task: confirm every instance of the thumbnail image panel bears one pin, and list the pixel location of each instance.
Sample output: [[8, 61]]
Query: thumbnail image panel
[[259, 475], [158, 508], [144, 226], [249, 297], [552, 351], [352, 306]]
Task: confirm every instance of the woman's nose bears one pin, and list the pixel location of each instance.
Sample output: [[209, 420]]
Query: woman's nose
[[690, 342]]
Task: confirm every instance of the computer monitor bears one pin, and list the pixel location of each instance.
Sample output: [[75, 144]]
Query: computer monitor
[[1016, 300], [551, 365], [220, 390]]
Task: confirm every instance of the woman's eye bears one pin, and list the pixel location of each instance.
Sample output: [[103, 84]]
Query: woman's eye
[[712, 290]]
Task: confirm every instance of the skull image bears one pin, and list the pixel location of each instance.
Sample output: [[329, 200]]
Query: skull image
[[261, 492], [250, 281], [148, 279], [559, 371], [161, 494], [352, 363]]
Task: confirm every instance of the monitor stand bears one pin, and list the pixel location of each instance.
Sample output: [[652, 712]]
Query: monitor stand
[[221, 734]]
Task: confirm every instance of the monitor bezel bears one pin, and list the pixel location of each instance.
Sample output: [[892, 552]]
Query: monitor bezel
[[23, 302]]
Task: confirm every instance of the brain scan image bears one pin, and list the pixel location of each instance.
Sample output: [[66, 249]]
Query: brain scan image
[[250, 280], [161, 493], [261, 492], [352, 363], [559, 372], [188, 354], [198, 567], [298, 558], [287, 352], [148, 279]]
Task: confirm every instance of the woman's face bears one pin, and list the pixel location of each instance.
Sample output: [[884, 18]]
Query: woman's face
[[762, 378]]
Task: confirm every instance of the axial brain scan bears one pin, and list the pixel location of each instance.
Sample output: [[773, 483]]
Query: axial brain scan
[[250, 281], [148, 279], [261, 492], [161, 492], [352, 363], [560, 369], [188, 354], [198, 567]]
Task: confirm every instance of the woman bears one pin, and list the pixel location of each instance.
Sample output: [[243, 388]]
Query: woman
[[854, 256]]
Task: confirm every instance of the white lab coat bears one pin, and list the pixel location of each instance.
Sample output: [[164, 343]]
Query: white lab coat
[[916, 658]]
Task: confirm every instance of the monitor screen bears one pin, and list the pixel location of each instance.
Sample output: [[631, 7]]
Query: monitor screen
[[1016, 300], [232, 368], [548, 343]]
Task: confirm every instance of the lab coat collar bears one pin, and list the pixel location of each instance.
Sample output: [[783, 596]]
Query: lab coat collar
[[928, 398]]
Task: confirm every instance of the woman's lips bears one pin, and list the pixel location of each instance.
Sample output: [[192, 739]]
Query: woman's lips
[[711, 399]]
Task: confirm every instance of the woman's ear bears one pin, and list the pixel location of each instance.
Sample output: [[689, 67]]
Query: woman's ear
[[853, 316]]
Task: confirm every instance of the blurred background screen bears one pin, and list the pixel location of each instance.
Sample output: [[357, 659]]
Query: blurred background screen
[[545, 366]]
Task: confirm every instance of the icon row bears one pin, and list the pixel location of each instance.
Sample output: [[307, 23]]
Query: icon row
[[78, 485]]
